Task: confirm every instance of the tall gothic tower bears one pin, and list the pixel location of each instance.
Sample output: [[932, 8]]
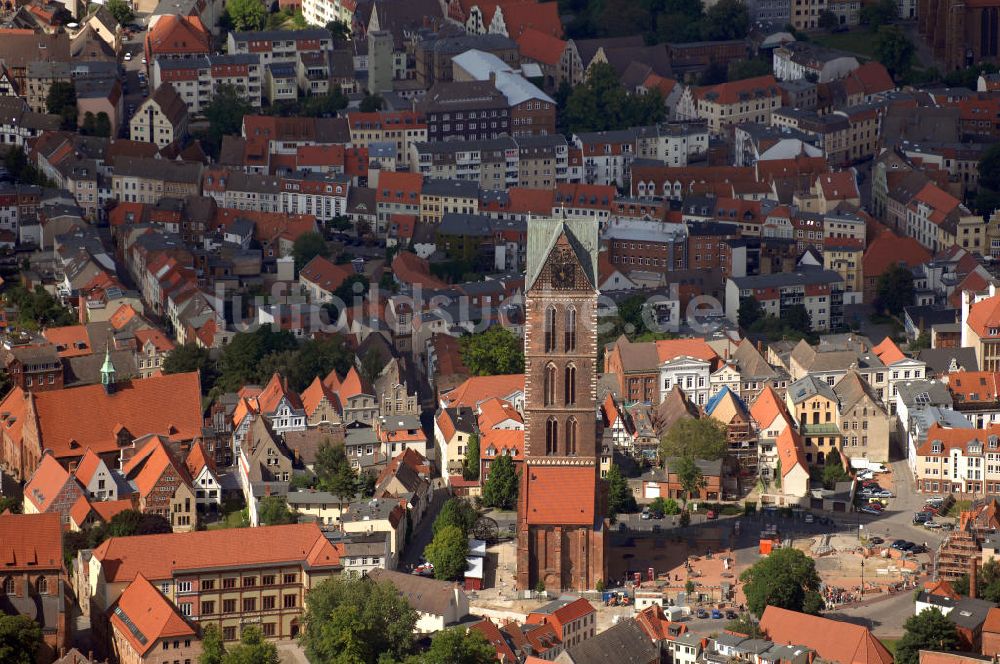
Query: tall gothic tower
[[560, 537]]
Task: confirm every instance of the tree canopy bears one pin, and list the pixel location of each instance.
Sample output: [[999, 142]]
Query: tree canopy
[[895, 290], [246, 14], [928, 630], [191, 357], [20, 639], [500, 489], [894, 50], [37, 308], [121, 10], [334, 473], [703, 438], [457, 645], [787, 579], [470, 467], [371, 103], [620, 498], [988, 194], [456, 512], [601, 103], [307, 247], [448, 551], [273, 511], [495, 351], [354, 621], [61, 100], [225, 111], [878, 14], [833, 470], [689, 476]]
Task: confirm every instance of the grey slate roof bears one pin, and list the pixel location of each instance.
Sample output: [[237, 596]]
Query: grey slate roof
[[543, 235], [624, 643], [809, 387]]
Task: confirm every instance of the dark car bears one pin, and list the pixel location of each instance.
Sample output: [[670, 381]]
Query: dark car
[[876, 540], [731, 615], [701, 613], [898, 544]]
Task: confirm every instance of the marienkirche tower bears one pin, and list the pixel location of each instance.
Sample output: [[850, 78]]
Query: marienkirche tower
[[560, 537]]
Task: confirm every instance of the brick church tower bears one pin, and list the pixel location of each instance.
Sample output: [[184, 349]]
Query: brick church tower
[[561, 506]]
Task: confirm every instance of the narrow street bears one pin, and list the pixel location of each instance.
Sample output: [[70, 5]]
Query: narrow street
[[413, 552]]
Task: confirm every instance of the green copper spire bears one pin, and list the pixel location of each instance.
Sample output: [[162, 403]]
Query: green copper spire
[[107, 369]]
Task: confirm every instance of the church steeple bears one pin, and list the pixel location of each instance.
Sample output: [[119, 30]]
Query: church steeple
[[108, 371]]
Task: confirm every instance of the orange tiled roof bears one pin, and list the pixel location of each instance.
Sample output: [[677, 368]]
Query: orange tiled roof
[[159, 556], [178, 35], [736, 91], [561, 495], [122, 316], [46, 483], [270, 397], [87, 467], [888, 352], [790, 452], [493, 411], [160, 341], [564, 615], [954, 438], [313, 395], [30, 542], [168, 404], [107, 509], [937, 198], [668, 349], [80, 511], [888, 250], [399, 187], [150, 613], [70, 341], [838, 186], [833, 640], [147, 467], [767, 407], [492, 634], [974, 386], [502, 441], [411, 269], [197, 459], [325, 274], [477, 389], [541, 16], [874, 77], [540, 46], [352, 385], [985, 316]]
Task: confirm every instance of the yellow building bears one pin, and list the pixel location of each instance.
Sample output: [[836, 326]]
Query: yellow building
[[843, 256], [439, 197], [815, 406], [981, 328]]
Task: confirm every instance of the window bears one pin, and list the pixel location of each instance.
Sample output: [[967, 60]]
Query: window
[[249, 581], [249, 604], [43, 586], [291, 578], [228, 583], [290, 601], [229, 606], [549, 391], [570, 333], [571, 436], [267, 602], [208, 584], [267, 580], [8, 586], [228, 633], [550, 329], [207, 608], [183, 586], [268, 629], [551, 435], [185, 608]]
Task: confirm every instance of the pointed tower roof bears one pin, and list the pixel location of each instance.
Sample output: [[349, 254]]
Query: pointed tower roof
[[108, 368], [543, 234]]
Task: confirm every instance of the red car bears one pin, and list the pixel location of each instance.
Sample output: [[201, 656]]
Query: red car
[[711, 515]]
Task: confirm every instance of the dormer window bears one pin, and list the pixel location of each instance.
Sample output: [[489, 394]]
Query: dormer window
[[937, 447]]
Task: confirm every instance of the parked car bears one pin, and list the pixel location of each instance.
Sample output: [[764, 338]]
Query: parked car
[[885, 493], [867, 509], [932, 525], [701, 613], [128, 56], [809, 518], [731, 615], [876, 540], [711, 515], [921, 517], [716, 614], [898, 544]]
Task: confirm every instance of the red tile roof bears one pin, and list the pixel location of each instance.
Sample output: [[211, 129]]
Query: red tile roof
[[197, 459], [325, 274], [147, 467], [411, 269], [497, 442], [160, 341], [178, 35], [833, 640], [668, 349], [477, 389], [87, 467], [888, 352], [888, 250], [493, 411], [937, 198], [838, 186], [492, 634], [122, 316], [168, 404], [874, 78], [561, 495], [541, 47], [954, 439], [974, 386], [149, 614], [352, 385], [313, 395], [541, 16], [562, 616], [70, 341], [107, 509], [30, 542], [160, 556], [767, 407], [736, 91], [398, 187], [46, 483], [790, 451], [985, 316]]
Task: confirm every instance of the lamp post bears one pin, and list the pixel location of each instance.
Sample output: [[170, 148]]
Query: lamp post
[[862, 578]]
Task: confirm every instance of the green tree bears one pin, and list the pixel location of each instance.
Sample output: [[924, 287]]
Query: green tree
[[493, 352], [247, 14], [334, 473], [191, 357], [796, 317], [273, 511], [307, 247], [746, 624], [252, 649], [470, 468], [121, 10], [752, 68], [371, 103], [371, 365], [689, 476], [750, 312], [456, 512], [61, 101], [212, 648], [879, 13], [894, 50], [602, 103], [89, 125], [500, 490], [895, 290], [828, 20], [457, 645], [620, 498], [726, 19], [225, 111], [696, 438], [928, 630], [354, 621], [10, 504], [102, 126], [664, 506], [20, 639], [240, 361], [787, 579], [448, 551], [339, 31], [833, 470]]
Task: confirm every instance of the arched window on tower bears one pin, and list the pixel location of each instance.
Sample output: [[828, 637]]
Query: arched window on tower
[[570, 329], [549, 393], [550, 329], [571, 436], [569, 391], [551, 435]]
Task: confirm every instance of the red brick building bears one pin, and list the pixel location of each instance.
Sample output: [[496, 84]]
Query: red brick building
[[560, 541]]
